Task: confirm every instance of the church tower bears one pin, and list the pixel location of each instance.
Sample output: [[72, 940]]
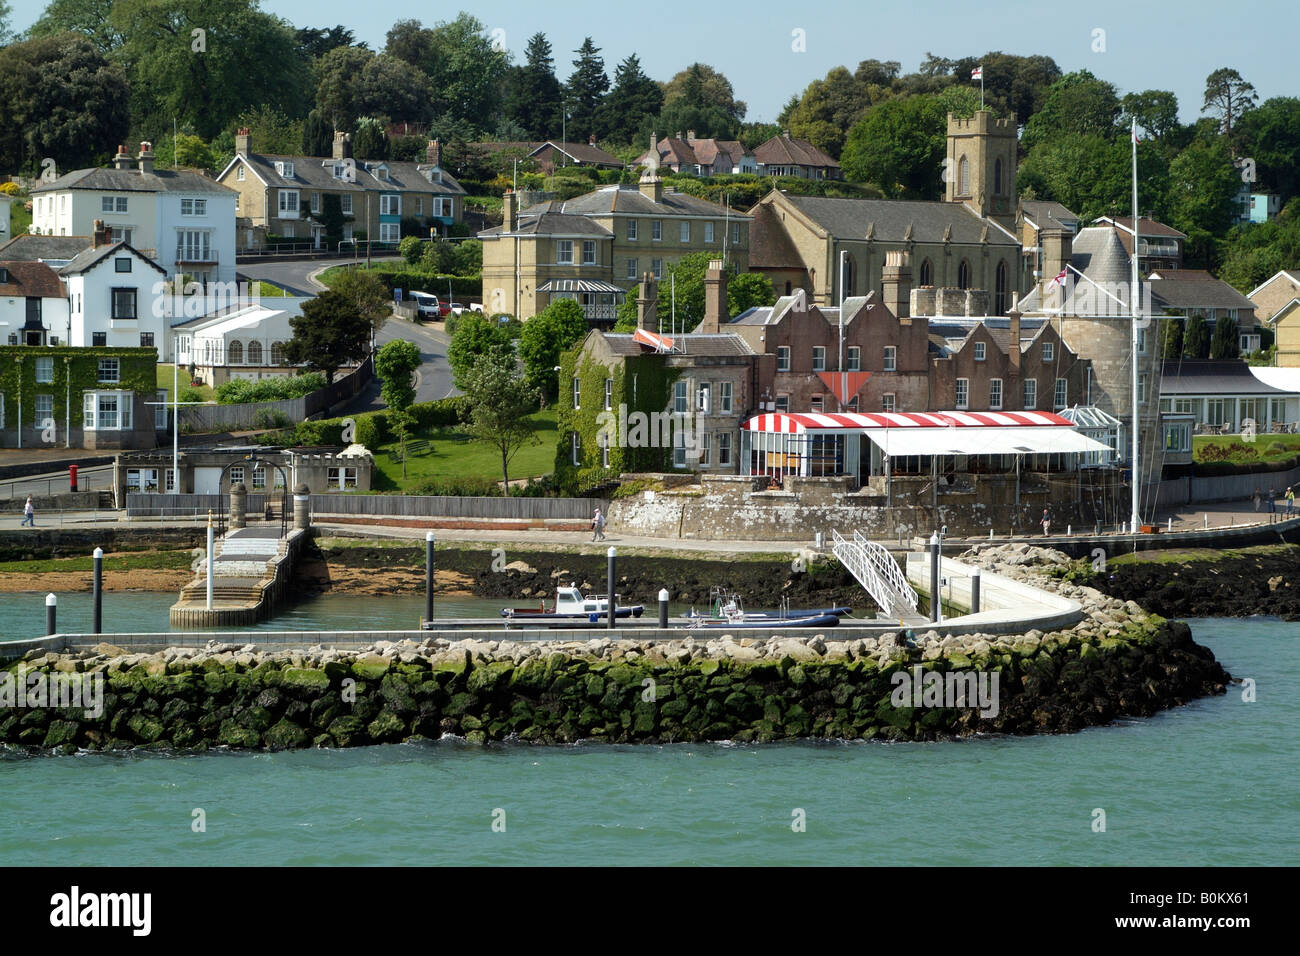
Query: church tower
[[981, 166]]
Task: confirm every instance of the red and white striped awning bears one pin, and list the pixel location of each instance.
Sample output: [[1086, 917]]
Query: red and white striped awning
[[939, 433], [797, 424]]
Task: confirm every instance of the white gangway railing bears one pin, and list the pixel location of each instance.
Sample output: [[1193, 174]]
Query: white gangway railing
[[875, 569]]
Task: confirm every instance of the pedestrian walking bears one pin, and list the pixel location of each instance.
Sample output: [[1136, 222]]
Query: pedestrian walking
[[1257, 500], [1290, 500], [598, 526], [29, 513], [1272, 501], [1047, 523]]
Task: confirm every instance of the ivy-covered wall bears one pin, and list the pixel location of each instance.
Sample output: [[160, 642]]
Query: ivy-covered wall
[[641, 383], [137, 373]]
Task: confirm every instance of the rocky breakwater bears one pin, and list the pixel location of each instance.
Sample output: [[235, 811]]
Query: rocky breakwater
[[898, 686]]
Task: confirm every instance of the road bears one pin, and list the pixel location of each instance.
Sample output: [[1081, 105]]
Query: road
[[433, 379]]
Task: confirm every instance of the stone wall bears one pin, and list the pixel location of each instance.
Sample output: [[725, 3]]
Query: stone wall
[[727, 507], [608, 691]]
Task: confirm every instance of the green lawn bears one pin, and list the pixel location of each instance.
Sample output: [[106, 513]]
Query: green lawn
[[453, 454], [1234, 448], [20, 220], [165, 374]]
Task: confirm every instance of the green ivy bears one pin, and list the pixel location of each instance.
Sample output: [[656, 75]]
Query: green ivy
[[653, 387], [137, 373]]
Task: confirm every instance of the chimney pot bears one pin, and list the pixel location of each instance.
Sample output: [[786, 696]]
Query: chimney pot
[[715, 299], [896, 283]]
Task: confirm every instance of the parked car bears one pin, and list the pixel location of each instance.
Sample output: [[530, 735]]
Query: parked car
[[427, 306], [457, 308], [476, 307]]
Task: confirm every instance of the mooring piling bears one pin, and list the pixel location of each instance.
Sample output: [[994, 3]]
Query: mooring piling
[[97, 592]]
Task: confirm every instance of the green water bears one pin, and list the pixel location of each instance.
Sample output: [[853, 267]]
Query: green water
[[1210, 783], [23, 615]]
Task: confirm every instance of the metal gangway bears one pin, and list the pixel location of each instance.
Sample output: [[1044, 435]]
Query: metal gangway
[[877, 571]]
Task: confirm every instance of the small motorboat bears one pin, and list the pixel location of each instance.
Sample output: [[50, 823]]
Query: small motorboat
[[728, 612], [572, 605], [727, 606]]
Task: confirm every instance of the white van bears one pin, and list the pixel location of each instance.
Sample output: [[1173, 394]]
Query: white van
[[426, 305]]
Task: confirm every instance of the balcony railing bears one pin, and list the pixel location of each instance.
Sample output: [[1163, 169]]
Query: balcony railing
[[207, 257]]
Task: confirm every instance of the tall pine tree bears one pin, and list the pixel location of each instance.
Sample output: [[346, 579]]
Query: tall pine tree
[[633, 103], [535, 95], [586, 89]]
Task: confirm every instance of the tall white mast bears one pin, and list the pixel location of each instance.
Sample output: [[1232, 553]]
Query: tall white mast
[[1133, 308]]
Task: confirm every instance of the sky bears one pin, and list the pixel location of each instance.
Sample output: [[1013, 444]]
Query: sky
[[1169, 46]]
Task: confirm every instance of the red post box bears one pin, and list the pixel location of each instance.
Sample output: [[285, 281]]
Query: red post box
[[72, 477]]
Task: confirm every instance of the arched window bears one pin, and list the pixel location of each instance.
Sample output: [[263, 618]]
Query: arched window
[[963, 277], [1001, 289], [254, 353], [963, 177], [235, 353], [927, 272], [997, 177], [277, 353]]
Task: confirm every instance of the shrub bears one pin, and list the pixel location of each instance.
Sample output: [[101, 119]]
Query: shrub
[[411, 249], [280, 388], [269, 418], [444, 413], [191, 394], [468, 487], [372, 429], [9, 189]]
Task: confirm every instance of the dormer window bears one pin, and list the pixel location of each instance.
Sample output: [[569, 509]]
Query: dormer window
[[284, 168]]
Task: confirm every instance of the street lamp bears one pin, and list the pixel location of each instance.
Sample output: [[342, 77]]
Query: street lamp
[[67, 401]]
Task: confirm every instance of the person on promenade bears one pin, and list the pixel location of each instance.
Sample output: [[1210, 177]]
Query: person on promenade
[[598, 526], [29, 513], [1047, 523], [1272, 501], [1290, 500], [1258, 499]]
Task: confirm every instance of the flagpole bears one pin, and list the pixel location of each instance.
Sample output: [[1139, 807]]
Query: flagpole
[[1133, 308], [844, 254], [981, 86]]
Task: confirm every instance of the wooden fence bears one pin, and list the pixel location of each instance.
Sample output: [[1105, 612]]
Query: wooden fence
[[394, 506]]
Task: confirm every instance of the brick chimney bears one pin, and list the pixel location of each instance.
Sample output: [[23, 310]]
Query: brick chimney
[[342, 145], [715, 299], [591, 140], [510, 210], [647, 302], [433, 153], [243, 141], [100, 234], [690, 136], [896, 283], [146, 158], [1013, 346], [123, 159]]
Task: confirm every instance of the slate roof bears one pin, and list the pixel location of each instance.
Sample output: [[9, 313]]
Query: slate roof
[[783, 150], [582, 152], [1148, 227], [132, 180], [693, 343], [549, 223], [628, 200], [1175, 292], [1045, 213], [87, 259], [1195, 377], [31, 247], [1098, 253], [28, 278], [890, 220], [318, 172]]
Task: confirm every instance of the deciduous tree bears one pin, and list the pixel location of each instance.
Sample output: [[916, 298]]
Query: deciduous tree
[[553, 330], [500, 401], [395, 365], [328, 335]]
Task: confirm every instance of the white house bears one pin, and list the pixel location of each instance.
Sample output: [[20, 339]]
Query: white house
[[112, 289], [33, 304], [245, 344], [4, 218], [181, 218]]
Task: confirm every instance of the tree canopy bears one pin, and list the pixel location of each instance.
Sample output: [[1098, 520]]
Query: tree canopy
[[328, 335]]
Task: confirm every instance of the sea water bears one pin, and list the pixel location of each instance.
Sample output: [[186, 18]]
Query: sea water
[[1211, 783]]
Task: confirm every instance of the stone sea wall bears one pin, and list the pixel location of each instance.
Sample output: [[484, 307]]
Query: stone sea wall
[[687, 690]]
